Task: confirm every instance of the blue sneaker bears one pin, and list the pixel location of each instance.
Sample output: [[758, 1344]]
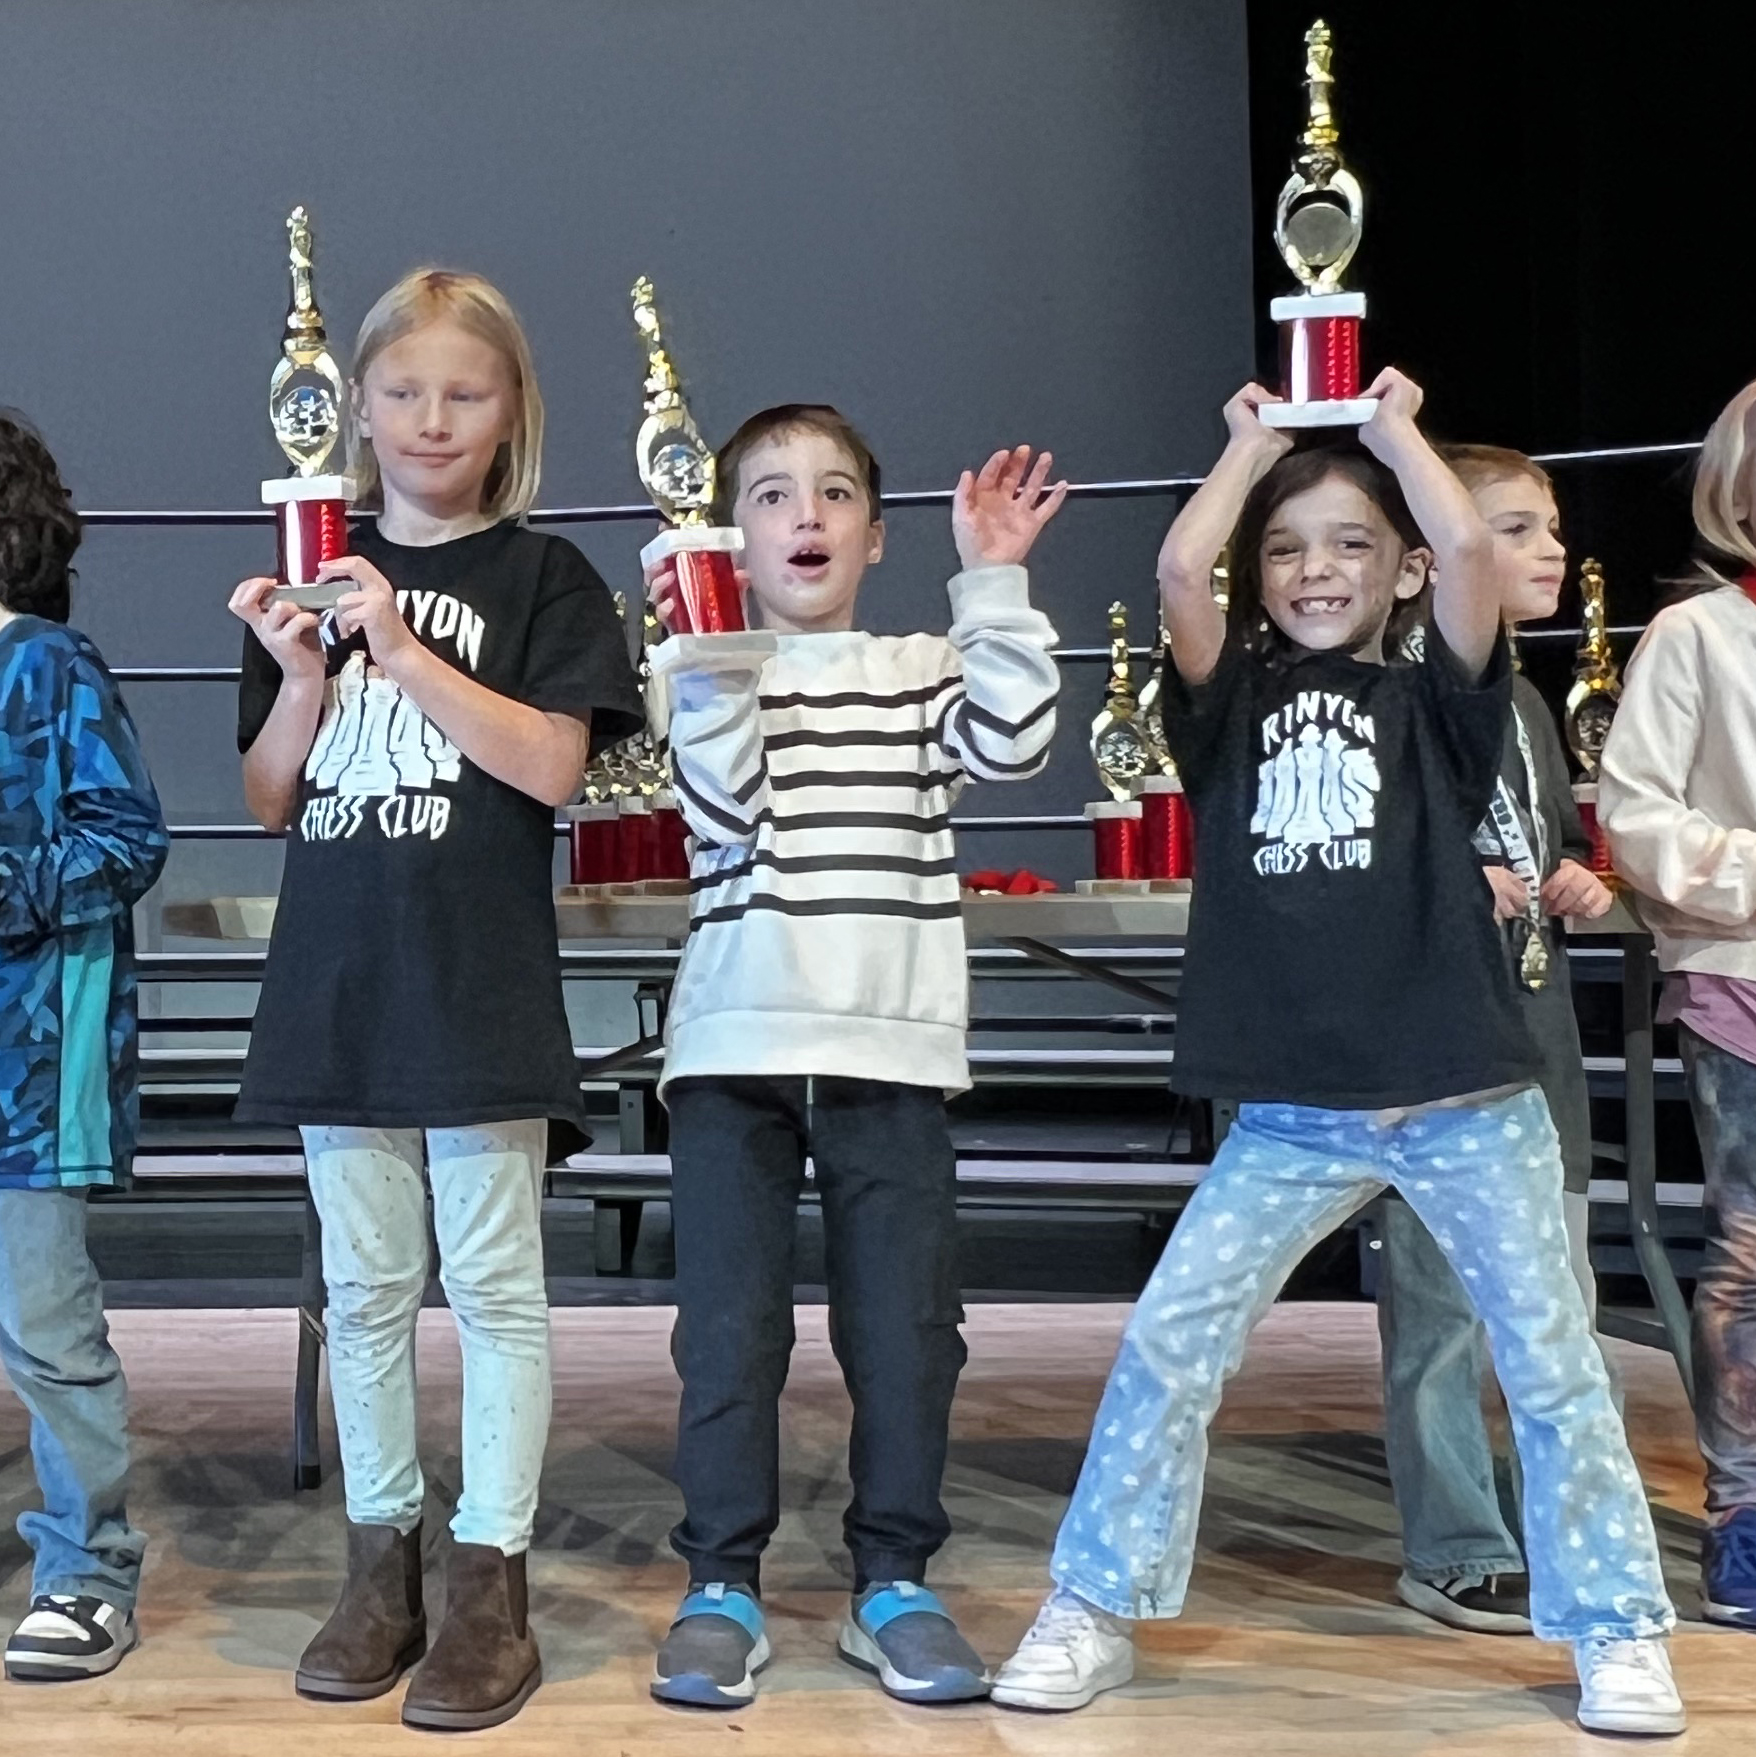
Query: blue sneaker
[[715, 1648], [1728, 1571], [903, 1633]]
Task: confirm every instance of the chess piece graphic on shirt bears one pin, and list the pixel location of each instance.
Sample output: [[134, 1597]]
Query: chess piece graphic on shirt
[[1597, 681], [1319, 790], [373, 741], [1119, 744], [676, 468], [306, 397], [1318, 221]]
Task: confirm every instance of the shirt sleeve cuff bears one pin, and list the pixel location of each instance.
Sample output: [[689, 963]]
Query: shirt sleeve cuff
[[984, 590]]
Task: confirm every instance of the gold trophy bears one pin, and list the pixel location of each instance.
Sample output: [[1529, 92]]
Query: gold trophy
[[306, 397], [1119, 743], [1597, 682], [677, 469], [1317, 224]]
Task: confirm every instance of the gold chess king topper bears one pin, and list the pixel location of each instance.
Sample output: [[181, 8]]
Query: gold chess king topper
[[1318, 221], [1119, 742], [676, 468]]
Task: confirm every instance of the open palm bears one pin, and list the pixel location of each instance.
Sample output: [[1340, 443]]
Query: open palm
[[996, 515]]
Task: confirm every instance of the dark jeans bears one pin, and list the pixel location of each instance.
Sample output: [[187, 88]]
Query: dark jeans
[[1722, 1094], [886, 1175]]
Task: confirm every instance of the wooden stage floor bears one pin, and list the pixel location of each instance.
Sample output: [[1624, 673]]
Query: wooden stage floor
[[1293, 1642]]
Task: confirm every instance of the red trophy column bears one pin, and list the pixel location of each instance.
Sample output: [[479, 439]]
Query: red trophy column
[[311, 527]]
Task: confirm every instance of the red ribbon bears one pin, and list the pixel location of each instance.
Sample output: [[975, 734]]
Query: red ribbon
[[1023, 883]]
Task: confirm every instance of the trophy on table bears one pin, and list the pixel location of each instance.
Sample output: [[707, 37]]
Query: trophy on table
[[1149, 706], [306, 397], [1591, 706], [677, 469], [1317, 225]]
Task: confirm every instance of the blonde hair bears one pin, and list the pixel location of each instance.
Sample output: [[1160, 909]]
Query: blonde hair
[[1726, 457], [479, 307]]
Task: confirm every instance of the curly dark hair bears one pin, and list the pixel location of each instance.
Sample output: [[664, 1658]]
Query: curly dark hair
[[39, 530]]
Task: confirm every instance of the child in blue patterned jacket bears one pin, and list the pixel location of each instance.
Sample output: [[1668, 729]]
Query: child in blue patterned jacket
[[81, 840]]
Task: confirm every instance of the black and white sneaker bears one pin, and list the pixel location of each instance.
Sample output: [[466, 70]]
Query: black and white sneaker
[[64, 1638], [1498, 1605]]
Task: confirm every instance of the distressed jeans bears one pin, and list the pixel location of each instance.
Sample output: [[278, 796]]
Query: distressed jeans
[[55, 1345], [487, 1215], [1486, 1180], [1722, 1095]]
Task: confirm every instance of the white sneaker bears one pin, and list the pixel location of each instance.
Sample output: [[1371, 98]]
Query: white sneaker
[[1627, 1687], [1073, 1651]]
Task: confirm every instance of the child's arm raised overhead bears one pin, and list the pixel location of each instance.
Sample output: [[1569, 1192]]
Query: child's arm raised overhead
[[539, 753], [1195, 625], [1466, 595], [1001, 724]]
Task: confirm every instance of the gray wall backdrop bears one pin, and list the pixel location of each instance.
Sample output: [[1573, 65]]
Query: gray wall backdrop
[[966, 222]]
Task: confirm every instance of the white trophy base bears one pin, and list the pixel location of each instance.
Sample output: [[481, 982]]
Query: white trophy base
[[1355, 412], [725, 539], [322, 596]]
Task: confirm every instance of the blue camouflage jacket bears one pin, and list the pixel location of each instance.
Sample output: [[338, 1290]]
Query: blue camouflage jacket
[[81, 840]]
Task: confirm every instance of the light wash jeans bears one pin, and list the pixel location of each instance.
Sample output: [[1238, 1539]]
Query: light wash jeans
[[56, 1348], [1486, 1179], [487, 1215], [1460, 1504]]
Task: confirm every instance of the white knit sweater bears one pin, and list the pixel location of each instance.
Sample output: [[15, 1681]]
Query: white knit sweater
[[1677, 795], [817, 773]]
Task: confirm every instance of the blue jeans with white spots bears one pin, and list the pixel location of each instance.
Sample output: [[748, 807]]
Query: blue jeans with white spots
[[1486, 1179]]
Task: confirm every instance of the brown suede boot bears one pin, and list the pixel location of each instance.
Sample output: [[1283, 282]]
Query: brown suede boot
[[379, 1629], [484, 1665]]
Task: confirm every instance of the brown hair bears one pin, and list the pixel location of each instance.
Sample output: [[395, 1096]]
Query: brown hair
[[1292, 475], [1477, 466], [782, 419], [479, 307]]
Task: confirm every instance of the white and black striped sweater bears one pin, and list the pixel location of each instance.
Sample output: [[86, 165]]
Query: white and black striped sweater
[[817, 773]]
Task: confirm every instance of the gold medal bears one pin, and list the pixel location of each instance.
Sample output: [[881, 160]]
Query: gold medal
[[1533, 966]]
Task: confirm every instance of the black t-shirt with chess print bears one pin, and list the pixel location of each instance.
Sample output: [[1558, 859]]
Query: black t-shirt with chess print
[[413, 979], [1342, 946]]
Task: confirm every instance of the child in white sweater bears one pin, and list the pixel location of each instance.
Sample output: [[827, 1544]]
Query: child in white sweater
[[1677, 798], [821, 1006]]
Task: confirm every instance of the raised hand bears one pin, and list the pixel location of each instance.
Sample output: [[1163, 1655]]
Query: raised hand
[[370, 606], [1244, 424], [1574, 890], [287, 632], [1399, 400], [996, 515]]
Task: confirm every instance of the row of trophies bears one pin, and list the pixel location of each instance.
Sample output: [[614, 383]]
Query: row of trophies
[[628, 832]]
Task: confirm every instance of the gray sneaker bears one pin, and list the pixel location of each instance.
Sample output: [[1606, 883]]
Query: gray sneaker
[[1498, 1605], [715, 1648], [903, 1633]]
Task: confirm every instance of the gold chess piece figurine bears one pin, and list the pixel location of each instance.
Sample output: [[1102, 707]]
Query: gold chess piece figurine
[[1597, 680]]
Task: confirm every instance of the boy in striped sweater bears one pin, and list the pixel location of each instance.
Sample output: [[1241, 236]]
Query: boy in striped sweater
[[821, 1006]]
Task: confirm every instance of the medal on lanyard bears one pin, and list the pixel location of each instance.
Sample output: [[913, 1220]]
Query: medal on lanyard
[[1534, 962]]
